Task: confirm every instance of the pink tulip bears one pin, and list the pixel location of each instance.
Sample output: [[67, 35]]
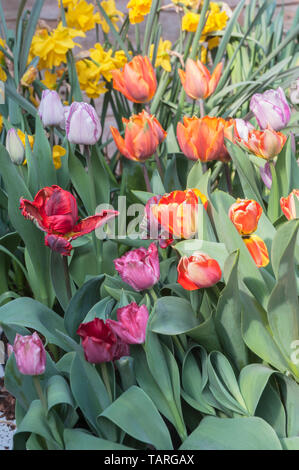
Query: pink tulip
[[82, 124], [30, 354], [131, 324], [271, 108], [139, 268]]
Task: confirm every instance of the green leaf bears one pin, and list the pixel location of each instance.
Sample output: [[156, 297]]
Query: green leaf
[[136, 414], [232, 434], [77, 439], [28, 34], [58, 392], [173, 316], [253, 380]]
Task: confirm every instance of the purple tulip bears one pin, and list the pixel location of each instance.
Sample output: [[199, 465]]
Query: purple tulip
[[243, 128], [139, 268], [271, 108], [82, 124], [131, 323], [266, 175], [51, 109], [30, 354]]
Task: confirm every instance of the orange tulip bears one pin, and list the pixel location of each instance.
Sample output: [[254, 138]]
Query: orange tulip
[[143, 134], [203, 139], [245, 214], [198, 271], [137, 80], [197, 81], [265, 144], [258, 250], [288, 205], [177, 212]]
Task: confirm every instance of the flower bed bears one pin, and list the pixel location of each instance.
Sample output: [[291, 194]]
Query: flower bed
[[149, 281]]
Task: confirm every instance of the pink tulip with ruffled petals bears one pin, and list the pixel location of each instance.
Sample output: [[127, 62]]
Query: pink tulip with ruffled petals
[[30, 354], [131, 323]]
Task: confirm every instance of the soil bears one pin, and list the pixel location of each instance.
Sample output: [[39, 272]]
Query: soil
[[7, 405]]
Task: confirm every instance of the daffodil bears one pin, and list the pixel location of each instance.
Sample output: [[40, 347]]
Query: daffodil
[[22, 137], [58, 152], [113, 14], [216, 21], [51, 47], [29, 76], [1, 123], [163, 57], [138, 9], [50, 80], [81, 15]]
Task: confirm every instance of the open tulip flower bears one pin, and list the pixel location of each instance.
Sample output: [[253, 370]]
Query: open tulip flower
[[203, 138], [131, 323], [198, 271], [143, 134], [265, 144], [150, 225], [177, 212], [288, 205], [100, 343], [139, 268], [137, 80], [245, 214], [258, 250], [271, 108], [197, 81], [55, 212]]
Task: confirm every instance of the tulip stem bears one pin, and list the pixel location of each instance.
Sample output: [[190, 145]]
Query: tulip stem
[[93, 203], [106, 380], [201, 108], [153, 294], [40, 392], [228, 178], [146, 178], [159, 166], [67, 277]]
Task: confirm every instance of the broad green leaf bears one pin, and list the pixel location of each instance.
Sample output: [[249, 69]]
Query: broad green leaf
[[173, 316], [80, 439]]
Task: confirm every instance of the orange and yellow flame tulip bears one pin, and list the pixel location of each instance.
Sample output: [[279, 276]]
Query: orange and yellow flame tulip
[[288, 205], [258, 250], [197, 81], [265, 144]]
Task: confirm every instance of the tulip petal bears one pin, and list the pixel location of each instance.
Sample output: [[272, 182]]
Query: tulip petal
[[59, 244], [258, 250], [215, 78], [91, 223]]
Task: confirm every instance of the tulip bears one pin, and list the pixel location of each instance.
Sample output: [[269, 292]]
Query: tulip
[[203, 139], [137, 80], [82, 124], [197, 81], [15, 147], [143, 134], [266, 175], [55, 212], [139, 268], [245, 214], [51, 109], [258, 250], [242, 128], [288, 205], [271, 108], [30, 354], [131, 323], [198, 271], [150, 225], [177, 212], [264, 144], [100, 343]]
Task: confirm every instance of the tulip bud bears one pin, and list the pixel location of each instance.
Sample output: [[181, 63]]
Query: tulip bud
[[198, 271], [271, 108], [245, 214], [139, 268], [51, 109], [15, 147], [30, 354], [82, 126], [258, 250], [288, 205], [131, 323], [197, 81]]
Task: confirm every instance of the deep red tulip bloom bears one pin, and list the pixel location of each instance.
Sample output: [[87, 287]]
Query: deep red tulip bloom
[[55, 212], [100, 343]]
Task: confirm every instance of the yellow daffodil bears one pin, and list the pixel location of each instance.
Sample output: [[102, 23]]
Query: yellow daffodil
[[190, 21], [81, 15], [216, 21], [138, 9], [163, 57], [113, 14], [3, 76], [29, 76], [22, 137], [32, 98], [66, 3], [52, 47], [1, 123], [58, 152], [50, 80], [2, 44]]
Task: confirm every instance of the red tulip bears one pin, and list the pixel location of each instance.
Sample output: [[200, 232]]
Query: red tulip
[[197, 81], [55, 212], [177, 212], [258, 250], [131, 323], [143, 134], [198, 271], [245, 214], [100, 343], [288, 205], [137, 80]]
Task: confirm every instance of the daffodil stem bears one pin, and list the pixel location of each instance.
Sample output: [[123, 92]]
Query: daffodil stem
[[146, 178], [106, 380], [67, 277], [228, 178], [159, 166]]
